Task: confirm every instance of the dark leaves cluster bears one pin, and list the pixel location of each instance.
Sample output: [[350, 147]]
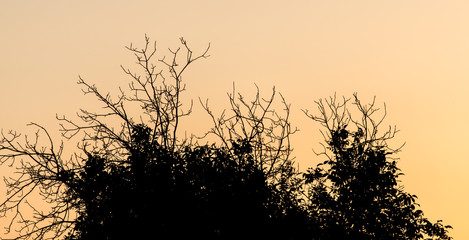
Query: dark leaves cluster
[[356, 190], [202, 192]]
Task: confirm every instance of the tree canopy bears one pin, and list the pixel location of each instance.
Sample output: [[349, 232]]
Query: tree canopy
[[134, 176], [356, 191]]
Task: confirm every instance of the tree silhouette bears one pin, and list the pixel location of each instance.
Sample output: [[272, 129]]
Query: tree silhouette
[[355, 191], [134, 176]]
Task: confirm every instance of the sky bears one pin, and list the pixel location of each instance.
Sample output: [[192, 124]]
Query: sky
[[411, 55]]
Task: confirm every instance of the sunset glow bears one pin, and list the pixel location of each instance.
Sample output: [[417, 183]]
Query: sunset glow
[[411, 55]]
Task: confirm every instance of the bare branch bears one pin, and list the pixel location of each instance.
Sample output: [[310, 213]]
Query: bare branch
[[256, 122]]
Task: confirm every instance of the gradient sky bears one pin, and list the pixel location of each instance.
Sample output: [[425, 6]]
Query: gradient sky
[[412, 55]]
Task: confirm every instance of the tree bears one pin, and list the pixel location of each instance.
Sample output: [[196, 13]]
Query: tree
[[135, 177], [355, 192]]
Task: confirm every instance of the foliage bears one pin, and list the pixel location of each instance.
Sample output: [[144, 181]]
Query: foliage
[[201, 192], [355, 191]]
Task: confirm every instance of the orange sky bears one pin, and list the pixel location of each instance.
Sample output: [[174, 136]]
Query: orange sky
[[413, 55]]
